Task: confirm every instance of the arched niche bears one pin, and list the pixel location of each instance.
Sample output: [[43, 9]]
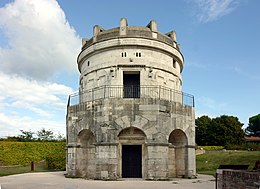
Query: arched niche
[[85, 154], [85, 138], [131, 133], [178, 156], [178, 138]]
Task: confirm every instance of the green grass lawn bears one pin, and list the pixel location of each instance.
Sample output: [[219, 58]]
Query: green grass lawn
[[11, 170], [208, 163]]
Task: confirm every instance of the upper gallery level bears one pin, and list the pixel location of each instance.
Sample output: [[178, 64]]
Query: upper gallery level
[[130, 55], [130, 41]]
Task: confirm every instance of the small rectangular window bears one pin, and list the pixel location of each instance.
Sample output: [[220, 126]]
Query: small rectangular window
[[123, 54], [173, 63]]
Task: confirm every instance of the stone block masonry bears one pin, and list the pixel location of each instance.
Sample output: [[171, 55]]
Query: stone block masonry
[[130, 118], [238, 179]]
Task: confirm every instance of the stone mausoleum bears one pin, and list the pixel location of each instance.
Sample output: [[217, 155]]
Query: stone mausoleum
[[130, 118]]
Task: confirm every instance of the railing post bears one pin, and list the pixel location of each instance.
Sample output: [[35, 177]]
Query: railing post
[[182, 98], [32, 166], [159, 91], [68, 104], [92, 94], [105, 91], [171, 95]]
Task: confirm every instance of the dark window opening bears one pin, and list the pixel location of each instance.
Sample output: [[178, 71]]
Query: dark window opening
[[124, 54], [138, 54], [88, 63], [131, 81], [173, 63]]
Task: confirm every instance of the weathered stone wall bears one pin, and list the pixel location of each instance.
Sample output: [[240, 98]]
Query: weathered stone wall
[[155, 66], [157, 119], [236, 179]]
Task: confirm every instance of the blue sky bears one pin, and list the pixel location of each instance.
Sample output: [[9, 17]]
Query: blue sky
[[40, 41]]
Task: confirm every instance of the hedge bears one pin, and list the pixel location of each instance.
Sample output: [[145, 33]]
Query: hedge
[[22, 153]]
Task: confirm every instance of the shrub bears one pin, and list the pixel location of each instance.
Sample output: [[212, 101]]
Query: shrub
[[22, 153], [245, 146], [56, 161], [209, 148]]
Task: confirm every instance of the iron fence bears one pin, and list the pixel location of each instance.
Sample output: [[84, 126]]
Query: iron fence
[[154, 92]]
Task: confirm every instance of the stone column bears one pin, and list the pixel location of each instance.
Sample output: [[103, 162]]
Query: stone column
[[171, 163], [157, 161], [71, 160], [106, 161], [191, 167]]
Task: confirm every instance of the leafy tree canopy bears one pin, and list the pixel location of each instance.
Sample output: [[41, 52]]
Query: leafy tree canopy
[[219, 131], [45, 135], [253, 128], [26, 135], [203, 124], [30, 136]]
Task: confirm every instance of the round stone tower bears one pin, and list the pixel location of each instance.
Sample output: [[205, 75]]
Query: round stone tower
[[130, 118]]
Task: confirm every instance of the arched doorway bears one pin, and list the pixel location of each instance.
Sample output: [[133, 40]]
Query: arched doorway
[[132, 152], [85, 154], [178, 159]]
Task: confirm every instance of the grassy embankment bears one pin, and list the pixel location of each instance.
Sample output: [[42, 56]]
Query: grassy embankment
[[208, 163]]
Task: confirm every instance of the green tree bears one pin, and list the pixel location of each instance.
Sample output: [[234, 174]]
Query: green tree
[[45, 135], [254, 125], [227, 130], [60, 137], [203, 124], [26, 136], [219, 131]]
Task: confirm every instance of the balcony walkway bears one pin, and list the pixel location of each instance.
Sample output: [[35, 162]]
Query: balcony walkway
[[130, 92]]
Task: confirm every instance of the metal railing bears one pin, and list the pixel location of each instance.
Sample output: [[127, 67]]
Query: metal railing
[[154, 92]]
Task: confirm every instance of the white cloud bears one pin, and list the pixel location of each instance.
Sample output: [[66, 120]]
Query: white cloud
[[197, 65], [29, 104], [11, 125], [40, 41], [199, 113], [212, 106], [32, 95], [39, 44], [211, 10]]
